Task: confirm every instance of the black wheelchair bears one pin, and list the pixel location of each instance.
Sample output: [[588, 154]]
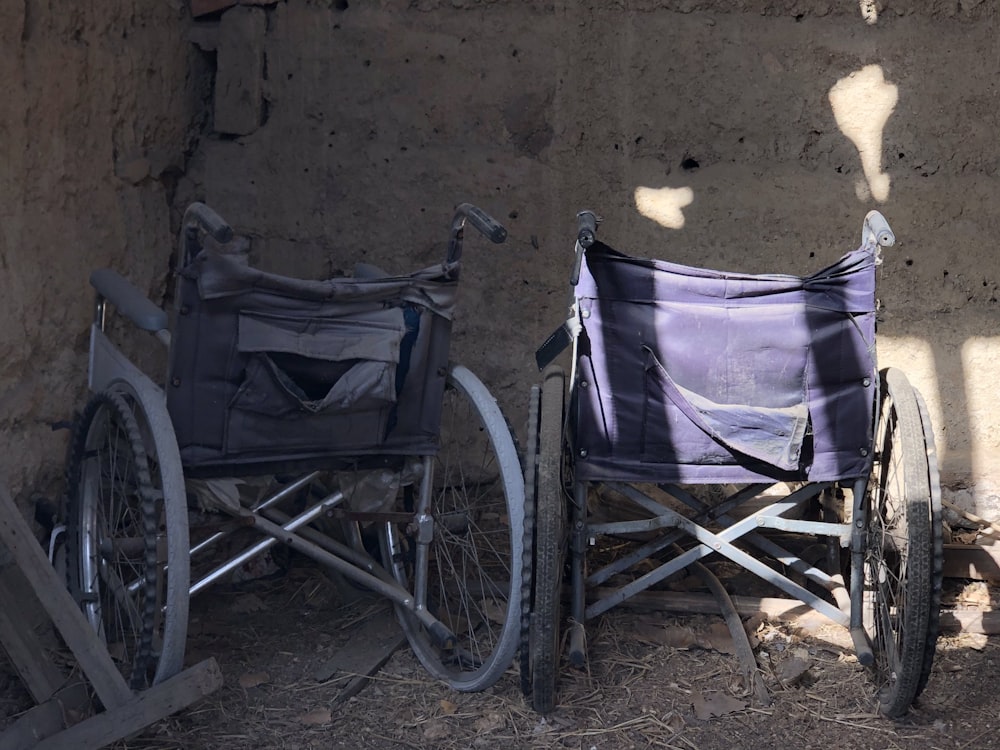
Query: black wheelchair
[[324, 414]]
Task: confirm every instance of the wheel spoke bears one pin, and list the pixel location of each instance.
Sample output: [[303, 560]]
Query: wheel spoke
[[110, 541], [474, 555]]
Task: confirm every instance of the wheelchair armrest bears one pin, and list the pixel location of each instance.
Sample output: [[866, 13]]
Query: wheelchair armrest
[[129, 301]]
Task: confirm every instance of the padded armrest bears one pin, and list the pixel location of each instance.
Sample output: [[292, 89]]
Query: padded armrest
[[129, 301]]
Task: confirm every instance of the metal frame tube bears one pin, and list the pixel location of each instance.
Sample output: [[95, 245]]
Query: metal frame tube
[[269, 502]]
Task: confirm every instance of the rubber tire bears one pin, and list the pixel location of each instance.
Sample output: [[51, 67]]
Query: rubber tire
[[550, 545], [488, 632], [937, 546], [527, 558], [899, 547], [108, 445]]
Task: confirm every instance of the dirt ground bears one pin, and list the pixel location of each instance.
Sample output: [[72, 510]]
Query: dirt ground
[[654, 680]]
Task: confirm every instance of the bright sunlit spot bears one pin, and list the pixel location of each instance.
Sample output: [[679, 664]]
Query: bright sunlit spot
[[915, 357], [978, 355], [869, 11], [862, 104], [664, 205]]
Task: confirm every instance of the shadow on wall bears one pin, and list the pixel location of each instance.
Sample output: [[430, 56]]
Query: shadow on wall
[[863, 102]]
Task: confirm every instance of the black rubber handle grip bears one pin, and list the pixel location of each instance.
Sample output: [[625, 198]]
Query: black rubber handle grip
[[484, 223], [210, 221], [586, 223]]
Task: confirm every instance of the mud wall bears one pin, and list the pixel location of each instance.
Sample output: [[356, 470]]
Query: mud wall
[[743, 134], [100, 108]]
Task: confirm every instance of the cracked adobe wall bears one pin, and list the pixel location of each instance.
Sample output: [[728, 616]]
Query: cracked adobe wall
[[365, 123], [98, 106], [742, 134]]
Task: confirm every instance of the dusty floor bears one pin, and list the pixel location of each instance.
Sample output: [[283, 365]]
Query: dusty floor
[[271, 635]]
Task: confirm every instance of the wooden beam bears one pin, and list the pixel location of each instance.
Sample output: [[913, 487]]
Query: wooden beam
[[369, 647], [145, 708], [976, 561], [40, 722], [788, 610], [19, 640], [971, 621], [774, 608], [51, 592]]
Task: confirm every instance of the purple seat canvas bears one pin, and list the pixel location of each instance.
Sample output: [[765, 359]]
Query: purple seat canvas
[[699, 376]]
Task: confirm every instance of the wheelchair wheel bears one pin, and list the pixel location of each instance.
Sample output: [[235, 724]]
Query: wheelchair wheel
[[937, 547], [549, 548], [473, 563], [901, 574], [117, 542]]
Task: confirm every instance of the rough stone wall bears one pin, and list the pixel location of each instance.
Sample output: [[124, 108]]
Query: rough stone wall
[[375, 119], [99, 101]]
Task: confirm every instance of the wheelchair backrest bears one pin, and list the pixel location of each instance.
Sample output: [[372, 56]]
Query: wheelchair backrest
[[696, 375], [270, 370]]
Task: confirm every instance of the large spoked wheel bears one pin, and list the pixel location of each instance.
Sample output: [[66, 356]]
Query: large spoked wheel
[[119, 543], [902, 573], [549, 545], [473, 560]]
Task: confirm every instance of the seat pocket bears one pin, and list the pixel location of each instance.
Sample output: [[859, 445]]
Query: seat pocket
[[312, 365], [325, 384], [685, 427]]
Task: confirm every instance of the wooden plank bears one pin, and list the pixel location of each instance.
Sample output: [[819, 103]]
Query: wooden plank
[[976, 561], [789, 610], [19, 640], [971, 621], [145, 708], [51, 592], [40, 722], [46, 719], [774, 608], [368, 649]]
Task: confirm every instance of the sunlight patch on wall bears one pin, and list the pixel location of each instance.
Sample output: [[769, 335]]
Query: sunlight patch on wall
[[979, 353], [869, 11], [664, 205], [915, 357], [862, 104]]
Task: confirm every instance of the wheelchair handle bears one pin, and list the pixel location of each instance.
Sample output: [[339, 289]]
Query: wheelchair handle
[[485, 223], [481, 220], [200, 218], [586, 235], [199, 215], [586, 232], [876, 231]]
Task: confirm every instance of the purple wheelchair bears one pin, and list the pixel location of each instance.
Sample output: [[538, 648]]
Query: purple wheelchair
[[744, 416]]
